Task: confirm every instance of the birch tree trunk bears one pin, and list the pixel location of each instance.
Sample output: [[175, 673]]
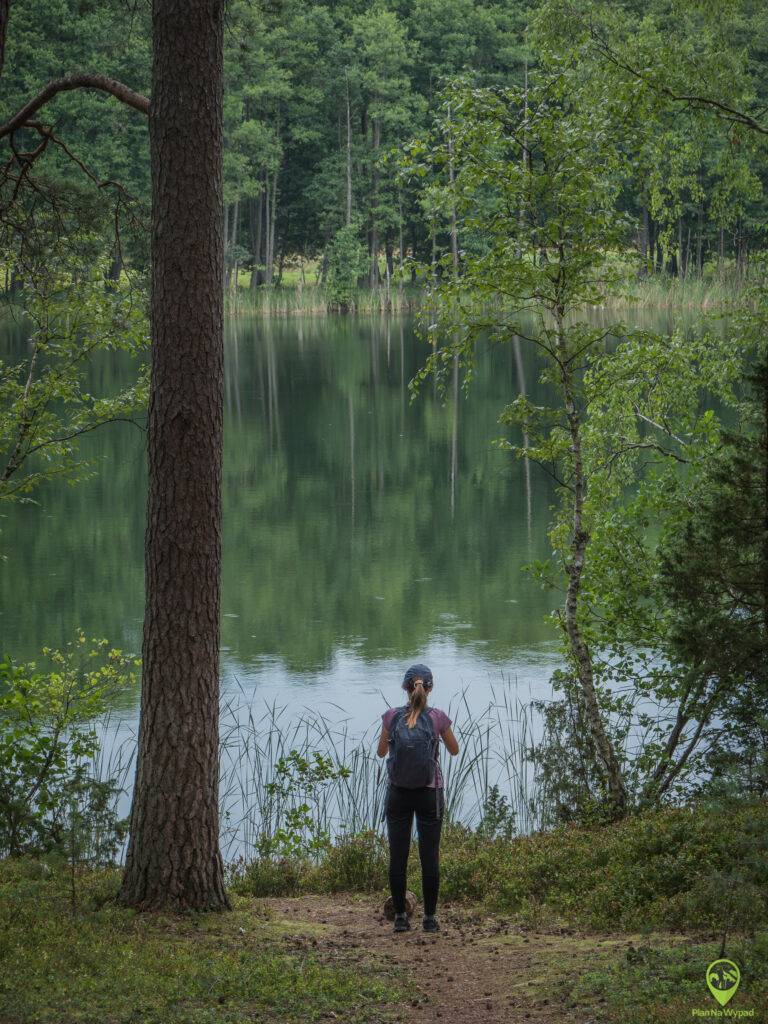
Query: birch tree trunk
[[575, 569]]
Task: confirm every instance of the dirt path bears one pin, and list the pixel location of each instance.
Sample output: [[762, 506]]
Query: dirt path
[[477, 969]]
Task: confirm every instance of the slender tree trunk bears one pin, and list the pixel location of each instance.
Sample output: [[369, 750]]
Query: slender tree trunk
[[452, 183], [267, 230], [258, 273], [523, 391], [226, 245], [349, 157], [374, 204], [173, 859], [526, 158], [272, 223], [644, 241], [454, 434], [400, 254], [700, 240], [575, 569], [680, 257], [254, 232], [233, 243], [433, 256], [5, 10], [687, 258]]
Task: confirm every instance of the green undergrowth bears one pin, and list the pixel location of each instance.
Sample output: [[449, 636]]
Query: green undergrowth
[[663, 982], [102, 964], [688, 869]]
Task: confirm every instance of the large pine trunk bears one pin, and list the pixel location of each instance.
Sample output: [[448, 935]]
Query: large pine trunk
[[174, 860]]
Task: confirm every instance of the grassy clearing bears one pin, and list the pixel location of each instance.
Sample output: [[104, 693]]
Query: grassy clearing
[[105, 965]]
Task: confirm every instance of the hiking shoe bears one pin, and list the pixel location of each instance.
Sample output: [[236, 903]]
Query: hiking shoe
[[430, 923], [402, 924]]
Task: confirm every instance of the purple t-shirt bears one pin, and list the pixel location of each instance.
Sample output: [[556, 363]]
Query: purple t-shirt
[[441, 722]]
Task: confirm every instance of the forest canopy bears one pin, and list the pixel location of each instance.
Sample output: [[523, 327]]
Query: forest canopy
[[322, 100]]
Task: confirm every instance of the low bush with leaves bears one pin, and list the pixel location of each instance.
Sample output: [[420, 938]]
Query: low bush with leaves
[[51, 801], [698, 869]]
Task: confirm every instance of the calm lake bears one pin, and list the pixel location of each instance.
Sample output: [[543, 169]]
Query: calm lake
[[362, 532]]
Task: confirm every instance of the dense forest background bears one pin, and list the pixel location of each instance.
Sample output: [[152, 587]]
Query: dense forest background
[[322, 99]]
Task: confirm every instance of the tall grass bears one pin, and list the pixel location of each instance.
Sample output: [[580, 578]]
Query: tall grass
[[312, 300], [667, 292], [651, 293], [494, 750], [495, 744]]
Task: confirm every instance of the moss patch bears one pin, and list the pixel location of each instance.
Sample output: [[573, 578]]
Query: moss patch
[[102, 963]]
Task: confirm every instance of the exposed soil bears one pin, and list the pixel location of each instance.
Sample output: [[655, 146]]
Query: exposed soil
[[477, 968]]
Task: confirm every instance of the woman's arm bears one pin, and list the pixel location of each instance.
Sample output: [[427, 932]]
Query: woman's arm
[[383, 747], [450, 741]]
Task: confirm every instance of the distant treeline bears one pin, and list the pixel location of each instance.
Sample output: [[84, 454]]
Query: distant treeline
[[322, 100]]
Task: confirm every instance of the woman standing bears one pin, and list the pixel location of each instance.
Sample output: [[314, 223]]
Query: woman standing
[[411, 736]]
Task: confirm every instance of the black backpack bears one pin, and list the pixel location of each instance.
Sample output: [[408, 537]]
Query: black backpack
[[412, 760]]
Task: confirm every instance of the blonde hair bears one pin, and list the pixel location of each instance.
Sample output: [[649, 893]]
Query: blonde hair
[[417, 701]]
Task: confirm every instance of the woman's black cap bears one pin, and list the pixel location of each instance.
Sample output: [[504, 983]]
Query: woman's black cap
[[418, 672]]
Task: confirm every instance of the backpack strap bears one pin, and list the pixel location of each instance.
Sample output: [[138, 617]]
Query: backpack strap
[[396, 718]]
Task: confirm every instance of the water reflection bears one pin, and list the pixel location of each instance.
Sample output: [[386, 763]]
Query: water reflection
[[360, 530]]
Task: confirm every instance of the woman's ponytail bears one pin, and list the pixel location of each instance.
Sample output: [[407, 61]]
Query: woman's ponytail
[[417, 701]]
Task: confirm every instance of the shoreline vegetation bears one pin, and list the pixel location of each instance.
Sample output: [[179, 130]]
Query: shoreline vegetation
[[294, 296], [655, 292]]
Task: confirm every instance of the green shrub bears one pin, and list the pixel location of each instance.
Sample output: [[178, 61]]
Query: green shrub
[[266, 876], [356, 863], [347, 260], [49, 800], [686, 868]]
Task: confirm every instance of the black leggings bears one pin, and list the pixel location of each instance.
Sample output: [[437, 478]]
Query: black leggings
[[427, 803]]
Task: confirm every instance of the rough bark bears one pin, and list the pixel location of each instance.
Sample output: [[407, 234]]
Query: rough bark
[[173, 859]]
